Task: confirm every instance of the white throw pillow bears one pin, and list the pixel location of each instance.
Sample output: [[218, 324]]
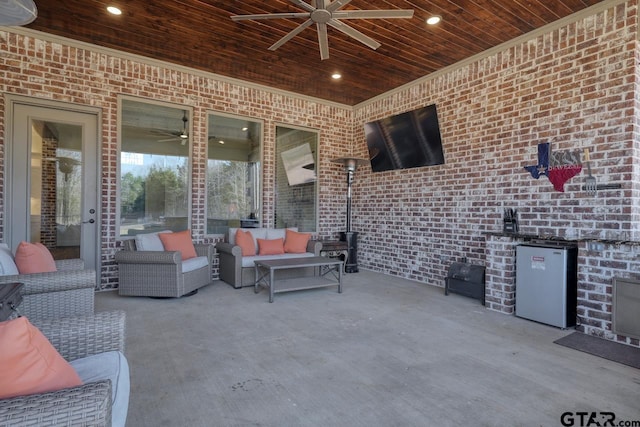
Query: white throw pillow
[[7, 264], [279, 233], [150, 241]]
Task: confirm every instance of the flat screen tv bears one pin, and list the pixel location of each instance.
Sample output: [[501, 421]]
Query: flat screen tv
[[407, 140]]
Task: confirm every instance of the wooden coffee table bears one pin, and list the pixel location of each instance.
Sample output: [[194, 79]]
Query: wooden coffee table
[[327, 272]]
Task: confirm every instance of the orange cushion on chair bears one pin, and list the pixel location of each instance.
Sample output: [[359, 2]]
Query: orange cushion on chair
[[244, 239], [270, 247], [180, 241], [296, 243], [34, 258], [29, 364]]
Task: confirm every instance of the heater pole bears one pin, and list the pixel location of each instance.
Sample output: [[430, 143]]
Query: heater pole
[[349, 181], [351, 237]]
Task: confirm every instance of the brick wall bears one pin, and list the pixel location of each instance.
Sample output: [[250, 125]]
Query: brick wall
[[50, 68], [575, 87], [596, 273]]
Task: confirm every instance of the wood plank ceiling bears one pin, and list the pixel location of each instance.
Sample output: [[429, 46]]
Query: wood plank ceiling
[[201, 35]]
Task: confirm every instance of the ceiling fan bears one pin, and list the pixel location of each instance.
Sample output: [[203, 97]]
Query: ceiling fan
[[181, 135], [328, 13]]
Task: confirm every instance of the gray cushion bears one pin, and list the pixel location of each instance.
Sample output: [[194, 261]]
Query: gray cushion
[[194, 263], [111, 365], [150, 241], [248, 261]]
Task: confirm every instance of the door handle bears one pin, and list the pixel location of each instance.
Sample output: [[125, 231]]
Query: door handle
[[91, 221]]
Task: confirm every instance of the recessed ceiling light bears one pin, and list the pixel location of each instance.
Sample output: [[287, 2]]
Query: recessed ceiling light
[[434, 20], [114, 10], [244, 129], [220, 142], [336, 76]]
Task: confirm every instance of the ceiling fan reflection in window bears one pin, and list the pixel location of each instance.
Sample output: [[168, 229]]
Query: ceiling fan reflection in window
[[182, 135], [328, 13]]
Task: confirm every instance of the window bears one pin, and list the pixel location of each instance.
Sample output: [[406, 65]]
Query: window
[[233, 173], [296, 178], [154, 168]]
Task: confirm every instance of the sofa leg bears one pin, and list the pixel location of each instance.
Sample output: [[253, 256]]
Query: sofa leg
[[188, 294]]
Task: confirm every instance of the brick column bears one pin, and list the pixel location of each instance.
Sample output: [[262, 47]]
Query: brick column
[[500, 275]]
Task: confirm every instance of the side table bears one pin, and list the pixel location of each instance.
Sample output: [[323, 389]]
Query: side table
[[334, 249], [10, 298]]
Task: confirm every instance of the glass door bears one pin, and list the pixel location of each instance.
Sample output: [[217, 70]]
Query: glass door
[[52, 195]]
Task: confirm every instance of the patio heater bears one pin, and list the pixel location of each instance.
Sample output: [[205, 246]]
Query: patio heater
[[350, 237]]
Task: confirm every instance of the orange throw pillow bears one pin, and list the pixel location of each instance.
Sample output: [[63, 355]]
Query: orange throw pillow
[[244, 239], [34, 258], [270, 247], [29, 364], [180, 241], [296, 243]]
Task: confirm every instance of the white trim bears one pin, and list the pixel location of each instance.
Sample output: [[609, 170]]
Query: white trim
[[592, 10], [27, 32]]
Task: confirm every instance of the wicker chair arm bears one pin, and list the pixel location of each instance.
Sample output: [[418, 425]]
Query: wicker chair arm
[[228, 248], [53, 281], [314, 246], [148, 257], [203, 249], [87, 405], [81, 336], [70, 264]]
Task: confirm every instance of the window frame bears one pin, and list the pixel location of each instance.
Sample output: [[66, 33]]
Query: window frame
[[316, 183], [121, 99], [261, 173]]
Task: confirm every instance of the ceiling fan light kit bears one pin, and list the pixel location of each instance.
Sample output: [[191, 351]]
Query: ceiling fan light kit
[[328, 13], [182, 135]]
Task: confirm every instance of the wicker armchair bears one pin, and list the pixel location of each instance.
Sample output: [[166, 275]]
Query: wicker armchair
[[66, 292], [160, 273], [86, 405]]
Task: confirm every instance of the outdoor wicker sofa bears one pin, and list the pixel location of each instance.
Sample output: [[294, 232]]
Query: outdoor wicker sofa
[[239, 271], [160, 273], [67, 292], [87, 405]]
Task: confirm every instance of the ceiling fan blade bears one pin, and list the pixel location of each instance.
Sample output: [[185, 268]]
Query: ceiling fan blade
[[372, 14], [291, 34], [323, 40], [352, 32], [337, 4], [269, 16], [303, 5]]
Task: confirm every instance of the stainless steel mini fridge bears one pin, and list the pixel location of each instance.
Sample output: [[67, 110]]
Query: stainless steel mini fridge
[[546, 282]]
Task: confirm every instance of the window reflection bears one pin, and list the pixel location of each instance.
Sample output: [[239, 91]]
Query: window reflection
[[233, 173], [154, 168], [296, 177]]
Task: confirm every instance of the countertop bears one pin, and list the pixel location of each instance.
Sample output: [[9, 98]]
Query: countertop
[[528, 237]]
